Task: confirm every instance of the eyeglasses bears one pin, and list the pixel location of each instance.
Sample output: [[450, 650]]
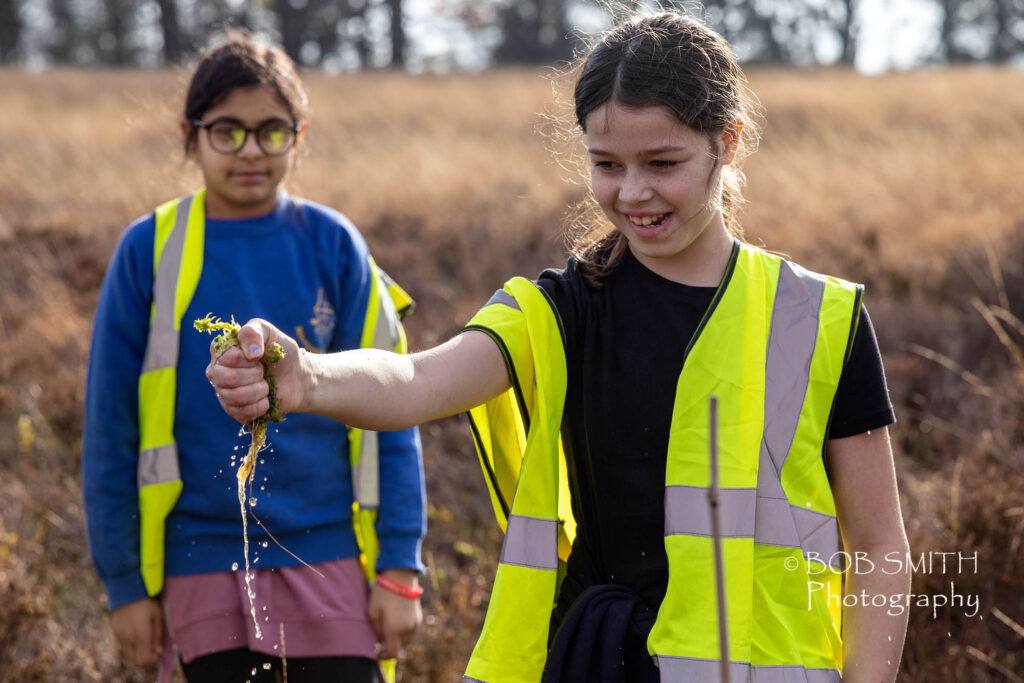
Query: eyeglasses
[[274, 137]]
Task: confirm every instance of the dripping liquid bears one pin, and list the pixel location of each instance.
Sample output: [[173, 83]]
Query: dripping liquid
[[245, 474]]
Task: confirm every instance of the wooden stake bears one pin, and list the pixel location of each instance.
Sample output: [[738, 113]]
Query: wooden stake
[[716, 533]]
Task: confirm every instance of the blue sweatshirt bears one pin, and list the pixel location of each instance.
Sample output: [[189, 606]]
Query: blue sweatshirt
[[304, 268]]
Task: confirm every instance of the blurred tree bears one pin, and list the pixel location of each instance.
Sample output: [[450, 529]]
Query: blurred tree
[[290, 15], [847, 32], [533, 32], [10, 30], [949, 45], [120, 16], [171, 31], [1008, 41], [61, 45], [991, 30], [397, 34]]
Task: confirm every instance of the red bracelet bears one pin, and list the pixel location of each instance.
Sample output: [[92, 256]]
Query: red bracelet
[[411, 592]]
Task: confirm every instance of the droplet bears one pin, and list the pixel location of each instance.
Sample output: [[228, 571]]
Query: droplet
[[265, 544], [234, 566], [252, 502], [253, 672], [266, 665]]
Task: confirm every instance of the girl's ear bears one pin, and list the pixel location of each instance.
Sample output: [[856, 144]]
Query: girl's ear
[[186, 130], [731, 142]]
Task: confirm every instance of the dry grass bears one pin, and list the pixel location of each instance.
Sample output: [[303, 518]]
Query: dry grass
[[909, 183]]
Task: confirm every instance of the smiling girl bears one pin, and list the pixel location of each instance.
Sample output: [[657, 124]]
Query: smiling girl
[[588, 391], [162, 512]]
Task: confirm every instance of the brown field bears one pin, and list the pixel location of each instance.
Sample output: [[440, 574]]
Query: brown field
[[909, 183]]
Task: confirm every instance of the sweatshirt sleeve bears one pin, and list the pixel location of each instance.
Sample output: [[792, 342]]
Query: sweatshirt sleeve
[[111, 426], [401, 518]]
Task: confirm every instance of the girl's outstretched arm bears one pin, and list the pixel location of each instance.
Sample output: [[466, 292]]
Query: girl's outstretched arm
[[868, 506], [364, 388]]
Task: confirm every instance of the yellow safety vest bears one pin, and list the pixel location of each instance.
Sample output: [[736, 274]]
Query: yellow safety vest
[[177, 264], [771, 346]]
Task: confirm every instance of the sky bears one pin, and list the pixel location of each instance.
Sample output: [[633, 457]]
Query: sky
[[895, 34]]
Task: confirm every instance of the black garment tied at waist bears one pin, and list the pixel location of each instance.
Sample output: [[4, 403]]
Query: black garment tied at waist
[[603, 639]]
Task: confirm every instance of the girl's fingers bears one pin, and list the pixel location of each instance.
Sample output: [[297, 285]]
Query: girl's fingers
[[247, 395], [232, 357], [254, 336], [246, 412], [222, 377]]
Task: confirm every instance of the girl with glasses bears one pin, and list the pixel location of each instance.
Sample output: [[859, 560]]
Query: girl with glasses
[[160, 492], [589, 393]]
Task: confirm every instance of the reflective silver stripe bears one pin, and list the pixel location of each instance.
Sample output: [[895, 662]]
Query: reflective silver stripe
[[157, 465], [385, 333], [791, 342], [503, 297], [531, 542], [819, 535], [162, 344], [679, 669], [467, 679], [687, 511], [774, 522], [794, 331], [780, 523], [366, 477], [688, 670]]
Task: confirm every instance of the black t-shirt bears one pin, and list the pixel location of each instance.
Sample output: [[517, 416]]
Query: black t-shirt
[[624, 354]]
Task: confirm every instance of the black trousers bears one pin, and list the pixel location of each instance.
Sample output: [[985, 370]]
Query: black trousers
[[241, 665]]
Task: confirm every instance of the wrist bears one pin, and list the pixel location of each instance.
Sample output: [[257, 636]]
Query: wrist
[[308, 380], [406, 577], [400, 582]]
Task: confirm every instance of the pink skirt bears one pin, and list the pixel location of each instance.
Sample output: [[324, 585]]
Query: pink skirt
[[300, 614]]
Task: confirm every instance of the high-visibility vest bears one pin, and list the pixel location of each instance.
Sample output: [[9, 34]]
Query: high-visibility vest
[[177, 264], [771, 346]]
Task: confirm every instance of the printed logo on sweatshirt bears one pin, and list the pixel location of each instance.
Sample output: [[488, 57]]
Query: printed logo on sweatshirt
[[322, 324]]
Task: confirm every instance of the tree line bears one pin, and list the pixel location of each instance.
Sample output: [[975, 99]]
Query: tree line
[[355, 34]]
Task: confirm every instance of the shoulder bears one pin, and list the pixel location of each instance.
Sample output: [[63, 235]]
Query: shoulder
[[795, 282], [323, 223], [797, 270], [140, 232], [135, 247], [563, 285]]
